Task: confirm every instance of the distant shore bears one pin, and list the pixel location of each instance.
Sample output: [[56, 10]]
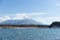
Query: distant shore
[[22, 27]]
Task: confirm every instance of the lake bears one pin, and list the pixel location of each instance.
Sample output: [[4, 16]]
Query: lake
[[29, 34]]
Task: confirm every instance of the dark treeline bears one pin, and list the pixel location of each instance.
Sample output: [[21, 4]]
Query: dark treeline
[[25, 25], [55, 24]]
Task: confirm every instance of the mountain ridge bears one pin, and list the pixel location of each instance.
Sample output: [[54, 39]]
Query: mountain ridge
[[21, 22]]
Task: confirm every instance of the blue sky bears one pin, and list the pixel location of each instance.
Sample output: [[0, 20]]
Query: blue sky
[[45, 11]]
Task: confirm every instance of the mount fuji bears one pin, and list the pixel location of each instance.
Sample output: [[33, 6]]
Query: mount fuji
[[21, 22]]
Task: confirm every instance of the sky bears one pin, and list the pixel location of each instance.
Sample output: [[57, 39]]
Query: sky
[[44, 11]]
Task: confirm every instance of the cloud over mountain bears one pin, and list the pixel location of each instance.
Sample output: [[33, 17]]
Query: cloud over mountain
[[20, 16], [34, 16]]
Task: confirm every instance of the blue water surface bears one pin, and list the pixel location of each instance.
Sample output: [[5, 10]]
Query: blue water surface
[[29, 34]]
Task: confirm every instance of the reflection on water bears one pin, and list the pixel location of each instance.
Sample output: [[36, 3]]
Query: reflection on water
[[30, 34]]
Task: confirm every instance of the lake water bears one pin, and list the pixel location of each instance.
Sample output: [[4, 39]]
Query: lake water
[[30, 34]]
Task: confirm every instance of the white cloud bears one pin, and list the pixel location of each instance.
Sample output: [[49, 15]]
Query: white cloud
[[55, 18], [45, 20], [20, 16], [30, 14], [52, 19], [4, 18], [57, 4], [41, 20], [26, 15]]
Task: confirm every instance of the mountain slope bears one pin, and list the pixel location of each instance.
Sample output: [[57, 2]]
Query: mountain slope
[[21, 22]]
